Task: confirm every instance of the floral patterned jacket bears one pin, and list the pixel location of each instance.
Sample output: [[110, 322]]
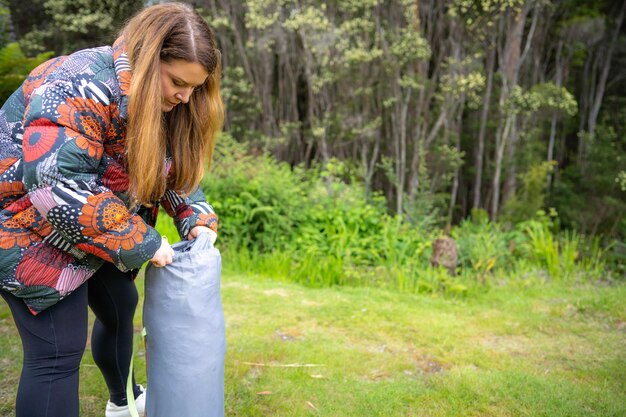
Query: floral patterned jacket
[[63, 182]]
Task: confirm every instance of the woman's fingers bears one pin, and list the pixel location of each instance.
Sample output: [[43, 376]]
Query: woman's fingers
[[164, 255]]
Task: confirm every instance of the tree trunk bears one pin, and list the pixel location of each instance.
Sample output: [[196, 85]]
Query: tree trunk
[[401, 110], [512, 59], [458, 128], [599, 96], [480, 151], [503, 132], [597, 87], [510, 184]]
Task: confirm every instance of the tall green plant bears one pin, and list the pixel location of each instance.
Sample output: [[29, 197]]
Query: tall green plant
[[557, 254], [482, 244]]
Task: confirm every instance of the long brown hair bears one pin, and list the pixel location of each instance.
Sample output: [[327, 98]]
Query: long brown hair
[[167, 32]]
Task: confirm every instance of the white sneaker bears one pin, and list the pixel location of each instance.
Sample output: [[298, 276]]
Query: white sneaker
[[114, 410]]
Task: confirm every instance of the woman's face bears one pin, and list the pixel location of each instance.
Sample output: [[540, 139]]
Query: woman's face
[[178, 80]]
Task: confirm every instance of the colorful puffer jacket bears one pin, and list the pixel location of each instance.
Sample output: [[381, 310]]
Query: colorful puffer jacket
[[64, 204]]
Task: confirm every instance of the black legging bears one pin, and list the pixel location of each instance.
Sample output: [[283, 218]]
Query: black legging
[[55, 339]]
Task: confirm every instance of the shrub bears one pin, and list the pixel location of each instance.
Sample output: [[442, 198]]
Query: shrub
[[260, 202], [15, 67], [482, 245], [316, 227], [311, 226]]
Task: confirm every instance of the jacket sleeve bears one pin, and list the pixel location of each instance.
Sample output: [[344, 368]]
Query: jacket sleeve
[[65, 126], [189, 211]]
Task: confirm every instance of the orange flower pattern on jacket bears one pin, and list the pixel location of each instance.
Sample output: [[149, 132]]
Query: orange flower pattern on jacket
[[21, 229], [87, 117], [107, 220], [208, 220], [115, 140], [11, 236]]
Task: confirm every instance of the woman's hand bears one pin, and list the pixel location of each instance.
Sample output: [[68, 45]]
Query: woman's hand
[[202, 229], [164, 255]]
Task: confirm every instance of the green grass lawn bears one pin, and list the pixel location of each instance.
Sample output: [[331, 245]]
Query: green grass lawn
[[540, 351]]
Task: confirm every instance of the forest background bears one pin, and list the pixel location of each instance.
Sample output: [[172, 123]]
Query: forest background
[[360, 131]]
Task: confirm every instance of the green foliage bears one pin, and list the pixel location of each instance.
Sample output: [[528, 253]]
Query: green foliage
[[5, 24], [529, 199], [615, 254], [260, 200], [545, 248], [261, 15], [374, 82], [165, 226], [315, 227], [567, 256], [594, 258], [410, 46], [242, 104], [309, 19], [14, 67], [621, 180], [487, 7], [546, 98], [590, 198], [482, 245], [310, 227], [68, 25], [81, 16], [464, 77]]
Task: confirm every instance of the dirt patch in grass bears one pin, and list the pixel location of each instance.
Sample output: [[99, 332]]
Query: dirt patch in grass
[[426, 363], [512, 344], [289, 334], [378, 375], [277, 291]]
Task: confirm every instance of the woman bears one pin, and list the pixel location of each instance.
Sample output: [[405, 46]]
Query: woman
[[90, 145]]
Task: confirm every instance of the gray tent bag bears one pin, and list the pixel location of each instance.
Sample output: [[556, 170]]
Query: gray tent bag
[[185, 338]]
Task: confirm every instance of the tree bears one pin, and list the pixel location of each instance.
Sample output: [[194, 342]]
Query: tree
[[403, 90], [64, 26]]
